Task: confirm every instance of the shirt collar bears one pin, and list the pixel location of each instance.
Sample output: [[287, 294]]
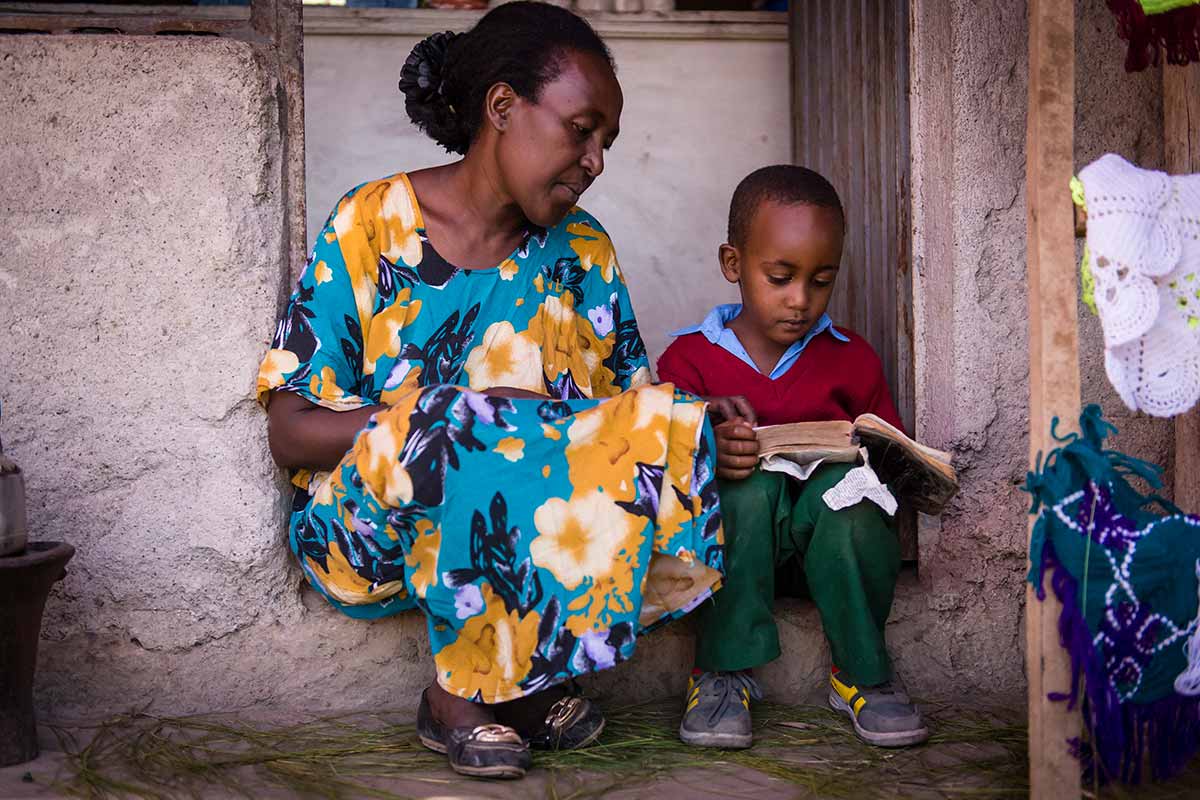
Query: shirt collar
[[714, 324]]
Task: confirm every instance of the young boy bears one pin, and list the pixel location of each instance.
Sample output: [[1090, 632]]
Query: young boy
[[777, 358]]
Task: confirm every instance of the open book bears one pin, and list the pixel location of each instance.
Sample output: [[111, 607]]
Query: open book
[[920, 474]]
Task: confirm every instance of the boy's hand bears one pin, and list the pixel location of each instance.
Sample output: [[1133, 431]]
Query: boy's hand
[[737, 449], [725, 409]]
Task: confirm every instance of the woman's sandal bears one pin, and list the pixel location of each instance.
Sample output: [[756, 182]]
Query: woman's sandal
[[571, 723], [484, 751]]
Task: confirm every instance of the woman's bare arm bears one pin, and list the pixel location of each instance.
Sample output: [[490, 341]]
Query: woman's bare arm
[[303, 434]]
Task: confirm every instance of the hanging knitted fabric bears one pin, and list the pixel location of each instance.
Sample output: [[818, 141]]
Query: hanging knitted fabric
[[1127, 577], [1143, 245], [1151, 25]]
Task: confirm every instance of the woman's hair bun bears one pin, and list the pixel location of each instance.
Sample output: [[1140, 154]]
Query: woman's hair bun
[[521, 43], [423, 82], [423, 73]]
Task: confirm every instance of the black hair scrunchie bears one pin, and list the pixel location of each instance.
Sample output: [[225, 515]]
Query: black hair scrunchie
[[423, 74]]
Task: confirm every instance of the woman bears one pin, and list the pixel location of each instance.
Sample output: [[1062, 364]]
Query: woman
[[469, 321]]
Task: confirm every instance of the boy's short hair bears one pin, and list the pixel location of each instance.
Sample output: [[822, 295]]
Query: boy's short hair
[[782, 183]]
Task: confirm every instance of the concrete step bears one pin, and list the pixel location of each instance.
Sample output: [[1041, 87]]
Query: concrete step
[[664, 659]]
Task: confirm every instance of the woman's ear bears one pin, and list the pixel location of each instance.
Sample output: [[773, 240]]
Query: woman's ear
[[498, 105], [731, 266]]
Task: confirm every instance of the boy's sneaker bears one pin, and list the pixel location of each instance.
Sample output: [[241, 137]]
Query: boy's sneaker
[[718, 710], [882, 715]]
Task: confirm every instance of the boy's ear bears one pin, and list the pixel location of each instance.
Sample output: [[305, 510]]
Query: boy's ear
[[731, 266], [498, 105]]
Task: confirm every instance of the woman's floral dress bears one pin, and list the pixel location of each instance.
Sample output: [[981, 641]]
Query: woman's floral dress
[[539, 538]]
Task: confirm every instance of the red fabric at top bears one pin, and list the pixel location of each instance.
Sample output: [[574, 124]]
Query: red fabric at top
[[831, 380]]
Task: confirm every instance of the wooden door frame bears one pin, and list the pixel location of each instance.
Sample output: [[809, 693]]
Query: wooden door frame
[[850, 75], [829, 153]]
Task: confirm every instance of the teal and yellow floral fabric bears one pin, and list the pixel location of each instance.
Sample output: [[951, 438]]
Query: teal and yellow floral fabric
[[539, 537]]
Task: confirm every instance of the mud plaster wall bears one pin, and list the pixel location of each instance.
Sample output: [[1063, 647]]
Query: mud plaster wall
[[971, 328], [140, 273], [143, 203]]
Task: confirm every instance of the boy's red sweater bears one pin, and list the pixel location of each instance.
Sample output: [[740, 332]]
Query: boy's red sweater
[[831, 380]]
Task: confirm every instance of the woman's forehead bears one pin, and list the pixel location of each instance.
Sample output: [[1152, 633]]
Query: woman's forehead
[[585, 83]]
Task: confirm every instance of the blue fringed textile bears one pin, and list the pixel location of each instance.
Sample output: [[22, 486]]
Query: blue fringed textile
[[1126, 574]]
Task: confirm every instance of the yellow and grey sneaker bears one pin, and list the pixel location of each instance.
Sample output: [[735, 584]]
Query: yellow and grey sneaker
[[882, 715], [718, 710]]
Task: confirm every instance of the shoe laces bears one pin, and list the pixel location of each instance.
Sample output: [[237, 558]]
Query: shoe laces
[[887, 692], [727, 685]]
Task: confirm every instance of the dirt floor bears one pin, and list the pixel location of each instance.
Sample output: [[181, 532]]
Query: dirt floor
[[803, 751]]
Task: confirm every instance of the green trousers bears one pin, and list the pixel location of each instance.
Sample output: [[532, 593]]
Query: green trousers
[[850, 559]]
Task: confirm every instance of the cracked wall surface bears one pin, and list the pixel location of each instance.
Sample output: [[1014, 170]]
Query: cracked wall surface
[[140, 277], [141, 272], [972, 559], [141, 268]]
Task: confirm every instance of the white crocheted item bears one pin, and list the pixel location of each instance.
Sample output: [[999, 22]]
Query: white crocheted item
[[1144, 244]]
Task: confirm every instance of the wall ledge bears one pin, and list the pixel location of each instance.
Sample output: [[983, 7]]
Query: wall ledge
[[753, 25], [341, 21]]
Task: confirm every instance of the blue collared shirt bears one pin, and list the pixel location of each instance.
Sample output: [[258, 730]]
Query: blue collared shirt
[[714, 327]]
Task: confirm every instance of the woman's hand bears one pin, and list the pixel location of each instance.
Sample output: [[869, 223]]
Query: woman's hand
[[737, 449], [513, 393], [724, 409]]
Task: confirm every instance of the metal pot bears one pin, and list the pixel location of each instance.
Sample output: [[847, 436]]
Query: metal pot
[[12, 508], [25, 582]]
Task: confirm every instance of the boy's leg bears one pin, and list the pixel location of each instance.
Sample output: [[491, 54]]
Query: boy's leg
[[736, 629], [851, 562]]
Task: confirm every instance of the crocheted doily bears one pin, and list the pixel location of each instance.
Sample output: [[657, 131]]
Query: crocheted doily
[[1143, 240]]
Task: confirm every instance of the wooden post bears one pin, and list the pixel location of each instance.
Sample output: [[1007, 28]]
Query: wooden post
[[1181, 143], [1053, 361]]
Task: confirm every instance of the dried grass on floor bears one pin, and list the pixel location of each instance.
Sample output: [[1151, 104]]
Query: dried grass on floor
[[974, 753]]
